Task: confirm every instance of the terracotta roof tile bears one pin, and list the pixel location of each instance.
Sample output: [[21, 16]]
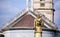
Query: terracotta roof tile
[[26, 21]]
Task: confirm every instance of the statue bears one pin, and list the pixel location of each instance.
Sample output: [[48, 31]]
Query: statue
[[38, 24]]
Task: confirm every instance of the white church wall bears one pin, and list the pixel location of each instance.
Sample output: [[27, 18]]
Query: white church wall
[[27, 33], [49, 0], [48, 14], [19, 33], [48, 4]]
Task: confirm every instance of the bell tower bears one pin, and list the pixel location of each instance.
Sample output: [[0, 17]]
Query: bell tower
[[45, 7]]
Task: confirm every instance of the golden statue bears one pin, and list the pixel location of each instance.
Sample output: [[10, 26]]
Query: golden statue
[[38, 23]]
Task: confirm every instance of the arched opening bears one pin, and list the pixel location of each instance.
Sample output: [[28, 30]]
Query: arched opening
[[1, 35]]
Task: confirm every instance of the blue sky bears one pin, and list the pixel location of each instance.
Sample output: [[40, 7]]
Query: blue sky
[[10, 8]]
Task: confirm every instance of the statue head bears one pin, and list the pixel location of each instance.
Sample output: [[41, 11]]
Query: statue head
[[38, 16]]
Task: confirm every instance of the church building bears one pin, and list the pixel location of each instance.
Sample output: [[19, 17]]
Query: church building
[[23, 24]]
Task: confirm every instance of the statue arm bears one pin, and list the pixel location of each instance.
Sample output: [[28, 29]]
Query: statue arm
[[42, 23]]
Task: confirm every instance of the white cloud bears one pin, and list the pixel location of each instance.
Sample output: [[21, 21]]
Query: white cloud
[[3, 16], [9, 7], [9, 11], [12, 9]]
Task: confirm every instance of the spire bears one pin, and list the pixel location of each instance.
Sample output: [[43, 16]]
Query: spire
[[32, 5], [29, 5]]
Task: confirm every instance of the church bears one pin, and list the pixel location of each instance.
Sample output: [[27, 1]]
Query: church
[[22, 25]]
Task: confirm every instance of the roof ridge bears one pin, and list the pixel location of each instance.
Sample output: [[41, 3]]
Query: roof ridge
[[14, 18]]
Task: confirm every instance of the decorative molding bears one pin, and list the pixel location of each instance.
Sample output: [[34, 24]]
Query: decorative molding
[[31, 28], [44, 9], [15, 18]]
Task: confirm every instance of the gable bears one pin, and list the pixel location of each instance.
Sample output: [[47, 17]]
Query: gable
[[26, 21]]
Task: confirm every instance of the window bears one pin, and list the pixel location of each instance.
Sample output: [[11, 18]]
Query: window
[[1, 35], [42, 0], [42, 4]]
